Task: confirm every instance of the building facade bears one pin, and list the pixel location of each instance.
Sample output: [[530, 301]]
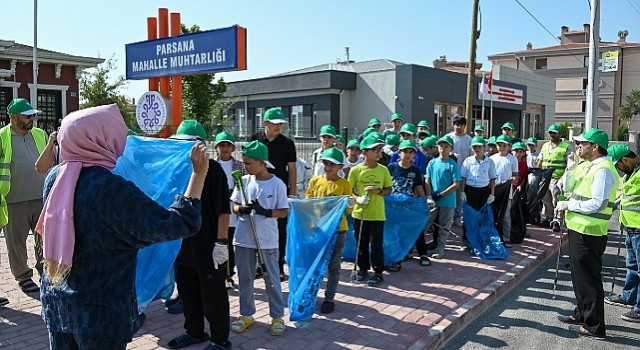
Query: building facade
[[348, 94], [567, 64], [58, 81]]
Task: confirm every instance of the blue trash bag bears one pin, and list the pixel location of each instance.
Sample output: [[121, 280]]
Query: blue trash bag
[[406, 217], [482, 234], [161, 168], [311, 236]]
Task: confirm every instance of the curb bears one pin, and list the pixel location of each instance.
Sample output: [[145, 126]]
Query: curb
[[450, 325]]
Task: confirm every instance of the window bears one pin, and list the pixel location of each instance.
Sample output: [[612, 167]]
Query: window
[[584, 106], [439, 118], [258, 118], [585, 83], [297, 118], [6, 95], [541, 63], [50, 103], [241, 122], [585, 60]]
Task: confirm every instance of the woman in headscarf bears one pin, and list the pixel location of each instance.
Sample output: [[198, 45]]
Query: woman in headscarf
[[93, 224]]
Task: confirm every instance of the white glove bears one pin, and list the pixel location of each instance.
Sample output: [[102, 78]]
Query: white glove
[[362, 200], [463, 197], [430, 202], [220, 254], [351, 202], [562, 206], [490, 199]]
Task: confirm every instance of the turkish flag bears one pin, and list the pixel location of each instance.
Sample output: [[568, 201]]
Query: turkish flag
[[490, 82]]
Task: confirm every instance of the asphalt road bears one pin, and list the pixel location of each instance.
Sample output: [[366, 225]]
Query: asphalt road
[[525, 318]]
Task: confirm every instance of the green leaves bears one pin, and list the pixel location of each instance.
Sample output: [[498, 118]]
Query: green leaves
[[631, 108]]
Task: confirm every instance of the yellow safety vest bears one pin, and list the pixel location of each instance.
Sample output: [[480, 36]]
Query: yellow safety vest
[[555, 158], [630, 201], [595, 224], [40, 137]]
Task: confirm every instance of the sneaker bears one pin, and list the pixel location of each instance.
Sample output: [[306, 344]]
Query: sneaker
[[617, 300], [361, 275], [259, 272], [170, 302], [229, 283], [283, 277], [224, 346], [241, 324], [631, 316], [327, 307], [277, 327], [28, 286], [176, 309], [508, 244], [544, 223], [555, 226], [184, 340], [3, 301], [375, 280], [439, 254], [424, 260]]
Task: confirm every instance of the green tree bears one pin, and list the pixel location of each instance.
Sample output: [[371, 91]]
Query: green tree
[[631, 107], [98, 88], [203, 96]]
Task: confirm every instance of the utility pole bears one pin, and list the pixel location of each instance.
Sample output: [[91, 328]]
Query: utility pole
[[34, 92], [591, 113], [475, 34]]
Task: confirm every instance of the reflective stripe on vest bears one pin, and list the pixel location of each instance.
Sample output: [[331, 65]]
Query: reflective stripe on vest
[[555, 158], [630, 201], [595, 224], [40, 138]]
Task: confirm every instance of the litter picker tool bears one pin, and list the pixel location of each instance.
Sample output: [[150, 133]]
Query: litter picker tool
[[615, 270], [355, 261], [431, 222], [237, 177], [560, 224]]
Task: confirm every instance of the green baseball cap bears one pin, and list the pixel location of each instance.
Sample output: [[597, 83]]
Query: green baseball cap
[[429, 142], [340, 138], [392, 140], [374, 121], [532, 141], [353, 143], [274, 115], [21, 106], [424, 124], [478, 141], [519, 145], [190, 129], [225, 137], [503, 139], [371, 141], [396, 116], [618, 151], [408, 128], [257, 150], [594, 135], [328, 130], [407, 144], [367, 132], [491, 140], [479, 127], [446, 139], [554, 128], [508, 125], [332, 155]]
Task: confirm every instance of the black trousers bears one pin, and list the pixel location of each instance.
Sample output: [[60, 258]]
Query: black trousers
[[282, 242], [421, 243], [204, 294], [476, 199], [585, 253], [231, 264], [372, 234]]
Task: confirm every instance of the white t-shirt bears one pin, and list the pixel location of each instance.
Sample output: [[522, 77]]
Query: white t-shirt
[[505, 167], [461, 147], [227, 166], [272, 194]]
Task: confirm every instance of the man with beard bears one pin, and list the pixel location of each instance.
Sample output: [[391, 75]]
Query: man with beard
[[21, 189]]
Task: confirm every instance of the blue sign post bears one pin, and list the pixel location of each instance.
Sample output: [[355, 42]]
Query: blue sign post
[[203, 52]]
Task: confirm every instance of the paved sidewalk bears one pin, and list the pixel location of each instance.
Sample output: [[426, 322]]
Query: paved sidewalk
[[416, 308]]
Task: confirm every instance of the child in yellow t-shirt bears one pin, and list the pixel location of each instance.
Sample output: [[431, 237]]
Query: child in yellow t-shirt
[[326, 185]]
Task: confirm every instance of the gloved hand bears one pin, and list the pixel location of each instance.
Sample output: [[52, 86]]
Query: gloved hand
[[562, 206], [490, 199], [351, 202], [430, 202], [436, 196], [245, 209], [362, 200], [260, 210], [220, 254], [463, 197]]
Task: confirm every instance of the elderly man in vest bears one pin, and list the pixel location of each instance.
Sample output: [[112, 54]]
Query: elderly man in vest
[[554, 154], [626, 161], [587, 218], [21, 189]]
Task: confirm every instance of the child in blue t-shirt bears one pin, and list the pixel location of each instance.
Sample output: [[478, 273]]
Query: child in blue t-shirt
[[406, 179], [442, 180]]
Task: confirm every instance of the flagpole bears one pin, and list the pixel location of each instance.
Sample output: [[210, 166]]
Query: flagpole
[[490, 109]]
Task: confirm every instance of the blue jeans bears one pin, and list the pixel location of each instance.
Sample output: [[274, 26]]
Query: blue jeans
[[334, 267], [631, 284]]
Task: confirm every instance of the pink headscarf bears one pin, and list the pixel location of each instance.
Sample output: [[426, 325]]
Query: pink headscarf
[[90, 137]]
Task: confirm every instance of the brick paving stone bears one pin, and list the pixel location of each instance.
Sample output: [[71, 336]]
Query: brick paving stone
[[416, 308]]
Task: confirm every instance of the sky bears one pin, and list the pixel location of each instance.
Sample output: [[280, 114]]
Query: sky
[[286, 35]]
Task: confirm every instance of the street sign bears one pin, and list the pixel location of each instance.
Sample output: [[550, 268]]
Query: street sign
[[203, 52]]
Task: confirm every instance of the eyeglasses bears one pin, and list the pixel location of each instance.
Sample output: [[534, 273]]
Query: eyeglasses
[[375, 150], [33, 116], [583, 143]]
